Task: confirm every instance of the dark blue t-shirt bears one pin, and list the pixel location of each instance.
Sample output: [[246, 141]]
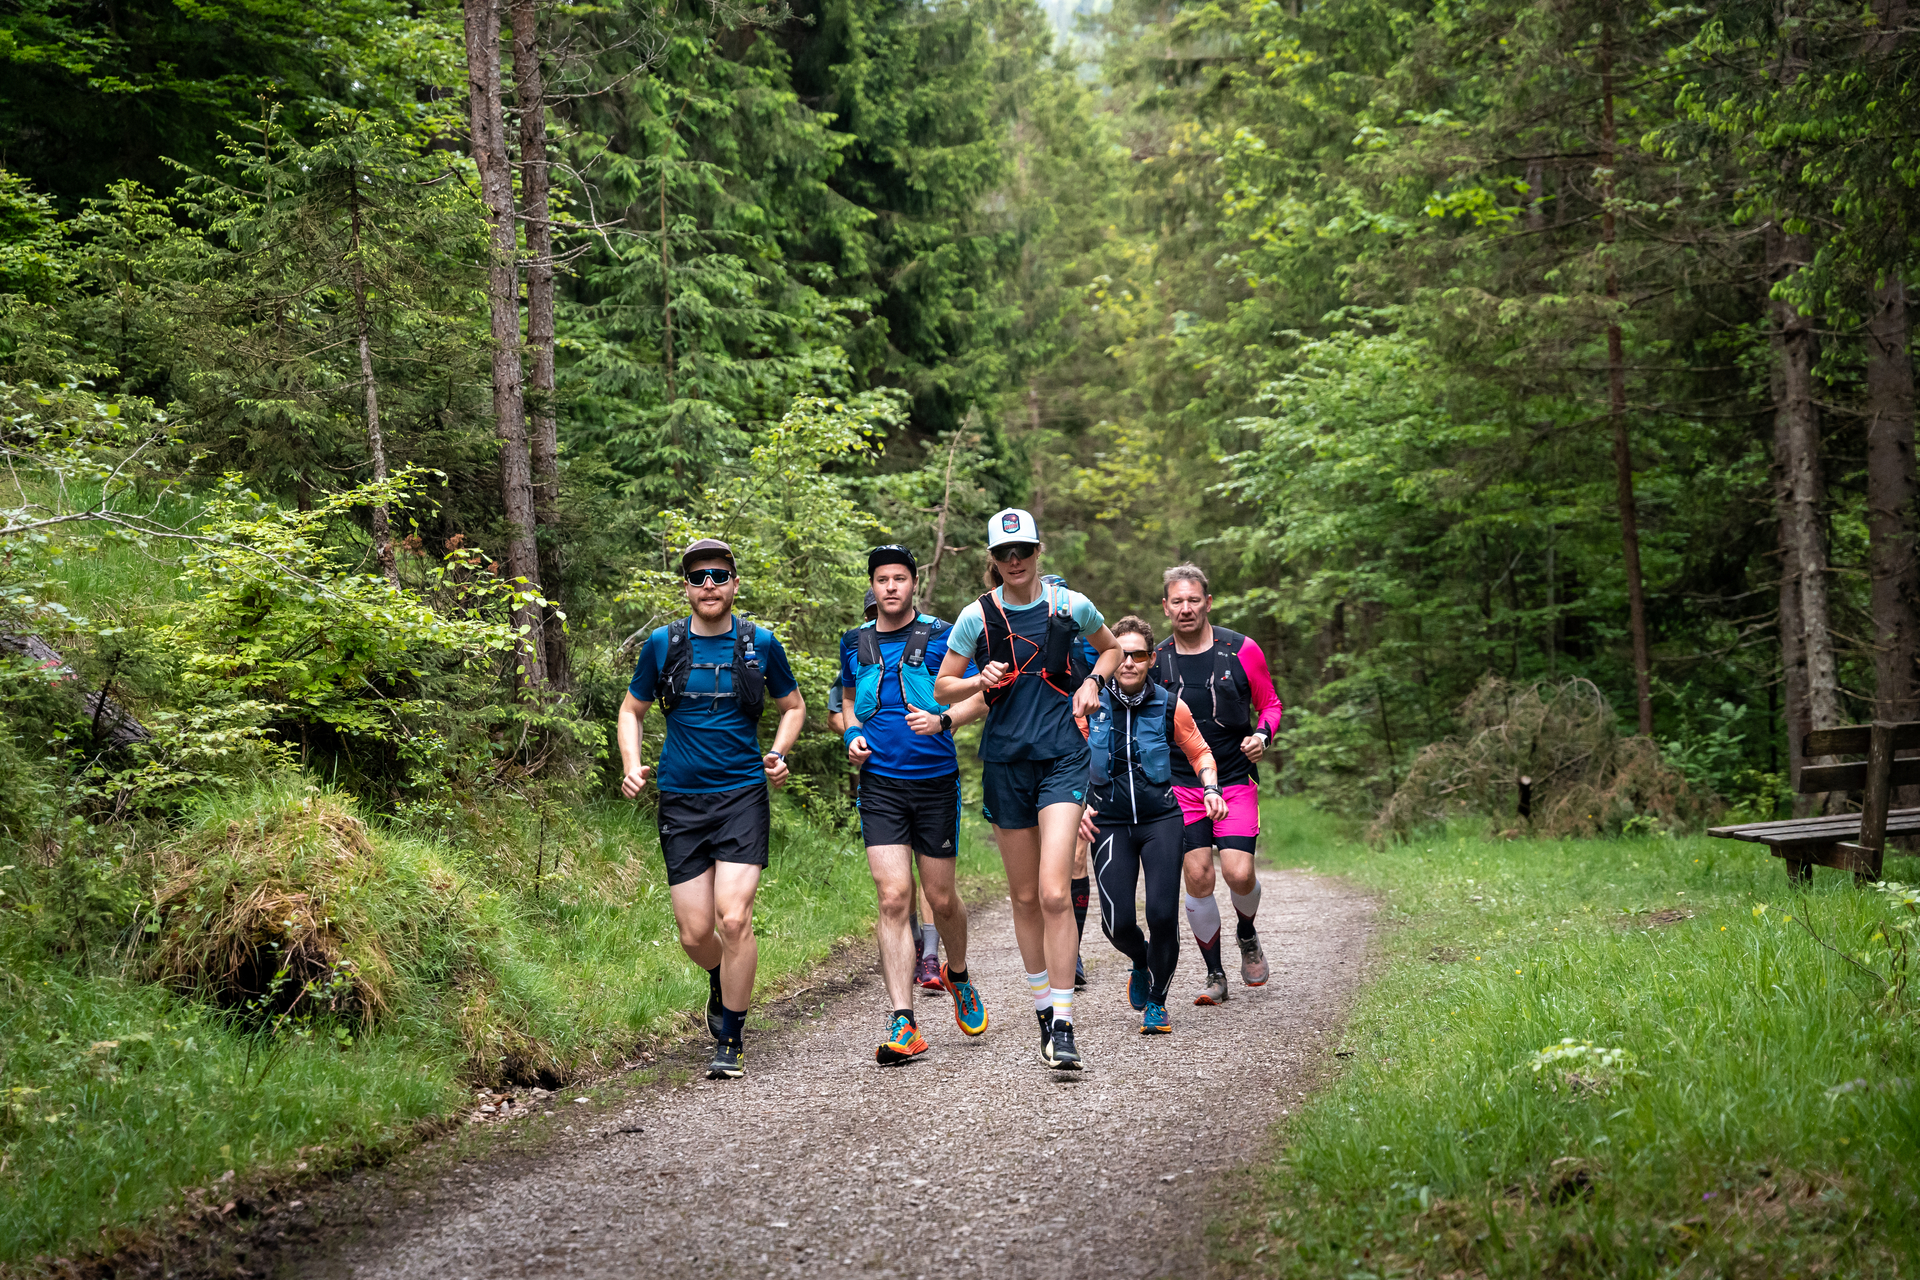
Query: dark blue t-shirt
[[1031, 721], [899, 752], [710, 746]]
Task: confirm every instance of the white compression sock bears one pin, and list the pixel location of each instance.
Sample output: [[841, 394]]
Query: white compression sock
[[930, 936], [1246, 905], [1203, 917], [1041, 988], [1063, 1005]]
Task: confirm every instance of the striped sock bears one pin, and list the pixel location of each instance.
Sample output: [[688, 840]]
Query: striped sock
[[1063, 1005], [1040, 987]]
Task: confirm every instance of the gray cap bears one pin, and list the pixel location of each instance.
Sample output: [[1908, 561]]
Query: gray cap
[[706, 549]]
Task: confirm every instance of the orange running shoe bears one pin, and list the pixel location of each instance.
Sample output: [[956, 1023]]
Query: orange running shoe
[[904, 1043], [969, 1011]]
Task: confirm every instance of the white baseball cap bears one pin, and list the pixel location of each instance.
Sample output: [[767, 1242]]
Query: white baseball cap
[[1012, 525]]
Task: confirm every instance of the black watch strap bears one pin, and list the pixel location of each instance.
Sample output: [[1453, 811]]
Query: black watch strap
[[946, 722]]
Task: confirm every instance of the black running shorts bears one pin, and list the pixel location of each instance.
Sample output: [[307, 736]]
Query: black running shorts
[[921, 813], [1017, 790], [700, 828]]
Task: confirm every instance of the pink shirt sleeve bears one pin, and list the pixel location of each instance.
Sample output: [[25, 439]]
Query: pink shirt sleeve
[[1266, 703]]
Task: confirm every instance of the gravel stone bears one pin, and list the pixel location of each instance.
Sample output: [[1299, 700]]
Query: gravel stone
[[973, 1161]]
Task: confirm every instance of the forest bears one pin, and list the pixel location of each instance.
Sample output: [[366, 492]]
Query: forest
[[365, 364]]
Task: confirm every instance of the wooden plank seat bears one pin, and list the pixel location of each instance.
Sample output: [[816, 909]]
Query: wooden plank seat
[[1853, 842]]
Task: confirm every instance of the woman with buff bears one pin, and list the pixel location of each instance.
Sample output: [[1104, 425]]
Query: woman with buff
[[1133, 821]]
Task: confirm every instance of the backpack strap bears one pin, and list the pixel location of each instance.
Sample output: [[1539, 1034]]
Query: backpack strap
[[677, 666], [866, 644], [749, 677]]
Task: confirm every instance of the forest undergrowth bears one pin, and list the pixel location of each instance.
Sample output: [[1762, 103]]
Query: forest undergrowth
[[422, 968], [1618, 1057]]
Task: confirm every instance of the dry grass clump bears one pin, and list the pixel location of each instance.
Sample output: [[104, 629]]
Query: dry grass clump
[[1587, 777], [292, 890]]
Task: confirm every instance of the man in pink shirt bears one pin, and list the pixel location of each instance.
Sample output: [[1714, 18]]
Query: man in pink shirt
[[1222, 678]]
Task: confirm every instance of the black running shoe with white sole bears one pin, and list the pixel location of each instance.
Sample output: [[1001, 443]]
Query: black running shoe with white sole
[[729, 1061], [1065, 1057], [1046, 1034]]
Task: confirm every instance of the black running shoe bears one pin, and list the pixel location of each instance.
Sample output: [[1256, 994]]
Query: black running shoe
[[728, 1061], [1064, 1056], [1079, 973], [1046, 1034], [714, 1010]]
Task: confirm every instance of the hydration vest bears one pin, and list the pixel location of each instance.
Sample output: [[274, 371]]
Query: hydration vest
[[1226, 692], [1055, 654], [916, 682], [749, 681], [1152, 725]]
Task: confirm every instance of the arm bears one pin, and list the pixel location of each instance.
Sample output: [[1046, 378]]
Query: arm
[[633, 714], [858, 749], [954, 686], [1087, 696], [1193, 745], [836, 709], [793, 716], [1266, 703], [926, 722]]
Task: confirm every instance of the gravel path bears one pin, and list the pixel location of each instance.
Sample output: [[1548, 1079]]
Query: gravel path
[[973, 1161]]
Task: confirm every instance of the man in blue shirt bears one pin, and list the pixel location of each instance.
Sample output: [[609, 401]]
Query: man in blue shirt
[[901, 740], [712, 673]]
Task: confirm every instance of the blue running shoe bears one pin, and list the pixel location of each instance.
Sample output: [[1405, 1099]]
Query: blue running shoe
[[968, 1010], [1137, 988], [1155, 1021]]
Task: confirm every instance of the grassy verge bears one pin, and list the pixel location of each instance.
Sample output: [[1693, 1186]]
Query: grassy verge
[[122, 1100], [1746, 1106]]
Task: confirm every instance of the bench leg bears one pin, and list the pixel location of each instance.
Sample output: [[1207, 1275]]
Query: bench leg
[[1799, 872]]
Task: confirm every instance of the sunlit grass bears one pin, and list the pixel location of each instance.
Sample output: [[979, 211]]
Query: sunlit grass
[[1768, 1123]]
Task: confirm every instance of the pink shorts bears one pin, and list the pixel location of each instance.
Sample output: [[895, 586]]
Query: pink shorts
[[1237, 830]]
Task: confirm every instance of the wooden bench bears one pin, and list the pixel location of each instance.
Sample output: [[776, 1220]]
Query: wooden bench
[[1847, 841]]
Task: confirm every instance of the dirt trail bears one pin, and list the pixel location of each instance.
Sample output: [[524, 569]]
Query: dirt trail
[[973, 1161]]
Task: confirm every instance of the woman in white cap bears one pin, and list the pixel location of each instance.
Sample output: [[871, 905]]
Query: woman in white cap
[[1023, 635]]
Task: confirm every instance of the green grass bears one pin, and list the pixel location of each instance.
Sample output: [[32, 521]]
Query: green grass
[[122, 1097], [1766, 1123]]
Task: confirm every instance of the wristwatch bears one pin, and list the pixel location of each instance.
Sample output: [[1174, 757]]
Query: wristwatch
[[946, 722]]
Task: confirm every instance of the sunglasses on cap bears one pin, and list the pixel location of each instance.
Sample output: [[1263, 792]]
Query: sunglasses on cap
[[718, 577], [1014, 551]]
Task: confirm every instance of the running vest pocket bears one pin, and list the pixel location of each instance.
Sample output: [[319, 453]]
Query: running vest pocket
[[916, 682], [1151, 734]]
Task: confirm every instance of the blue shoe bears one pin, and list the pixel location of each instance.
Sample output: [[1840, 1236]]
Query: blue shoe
[[1137, 987], [1155, 1021]]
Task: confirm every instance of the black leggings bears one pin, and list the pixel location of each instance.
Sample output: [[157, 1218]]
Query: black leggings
[[1119, 853]]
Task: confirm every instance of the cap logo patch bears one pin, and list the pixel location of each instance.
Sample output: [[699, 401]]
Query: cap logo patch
[[1009, 523]]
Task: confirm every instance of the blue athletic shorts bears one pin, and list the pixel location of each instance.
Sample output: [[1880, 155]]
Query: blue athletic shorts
[[1017, 790]]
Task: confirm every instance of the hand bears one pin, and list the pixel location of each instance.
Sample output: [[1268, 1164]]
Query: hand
[[1216, 806], [1086, 698], [1087, 824], [636, 779], [922, 722], [776, 769], [1253, 746], [990, 676], [858, 752]]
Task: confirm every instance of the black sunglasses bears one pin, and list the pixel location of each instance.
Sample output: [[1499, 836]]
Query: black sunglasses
[[1014, 551], [718, 577], [1134, 655]]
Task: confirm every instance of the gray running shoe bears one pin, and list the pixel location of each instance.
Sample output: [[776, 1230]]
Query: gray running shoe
[[1253, 962], [1216, 990]]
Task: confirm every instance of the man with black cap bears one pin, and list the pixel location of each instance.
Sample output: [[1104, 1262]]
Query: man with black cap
[[712, 673], [901, 739]]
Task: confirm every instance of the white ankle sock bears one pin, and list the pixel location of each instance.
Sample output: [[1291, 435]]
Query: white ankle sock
[[1203, 917], [1040, 987], [1063, 1004]]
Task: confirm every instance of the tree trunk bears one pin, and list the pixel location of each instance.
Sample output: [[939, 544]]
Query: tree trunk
[[530, 89], [1801, 486], [509, 407], [1793, 649], [370, 394], [1893, 569], [1617, 411]]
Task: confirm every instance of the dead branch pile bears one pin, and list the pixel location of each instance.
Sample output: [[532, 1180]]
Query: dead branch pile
[[1587, 778]]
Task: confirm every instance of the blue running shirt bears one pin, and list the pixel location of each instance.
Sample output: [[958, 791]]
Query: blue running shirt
[[710, 746], [899, 752], [1031, 721]]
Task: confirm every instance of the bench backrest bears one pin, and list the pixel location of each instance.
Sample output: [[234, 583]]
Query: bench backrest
[[1857, 740]]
